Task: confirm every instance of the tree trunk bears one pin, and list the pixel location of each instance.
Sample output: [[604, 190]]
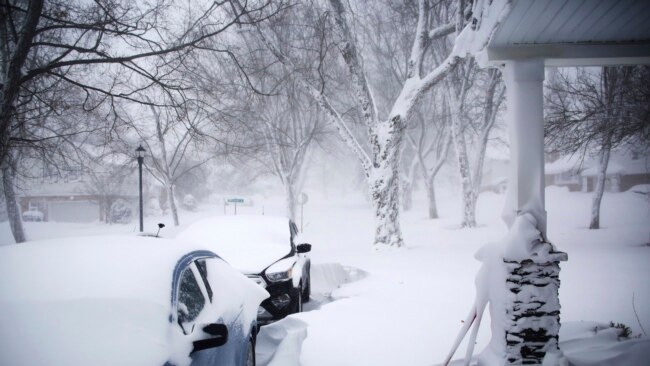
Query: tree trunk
[[469, 196], [600, 187], [13, 211], [431, 198], [291, 201], [384, 182], [172, 203], [407, 194]]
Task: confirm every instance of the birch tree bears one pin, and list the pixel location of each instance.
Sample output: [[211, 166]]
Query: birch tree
[[431, 145], [384, 136], [461, 87]]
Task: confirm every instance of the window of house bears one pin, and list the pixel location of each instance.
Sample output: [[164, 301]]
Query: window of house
[[37, 205]]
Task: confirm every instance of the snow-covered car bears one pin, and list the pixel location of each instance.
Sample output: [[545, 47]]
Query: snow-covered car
[[267, 249], [118, 300], [33, 215]]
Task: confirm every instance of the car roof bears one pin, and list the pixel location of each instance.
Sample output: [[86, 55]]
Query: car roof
[[124, 267]]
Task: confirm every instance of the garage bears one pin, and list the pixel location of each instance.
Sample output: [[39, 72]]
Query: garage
[[73, 211]]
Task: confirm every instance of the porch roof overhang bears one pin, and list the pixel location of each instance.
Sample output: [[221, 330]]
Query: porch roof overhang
[[573, 33]]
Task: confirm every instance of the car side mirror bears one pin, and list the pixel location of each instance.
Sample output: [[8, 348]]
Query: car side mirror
[[219, 337], [303, 248]]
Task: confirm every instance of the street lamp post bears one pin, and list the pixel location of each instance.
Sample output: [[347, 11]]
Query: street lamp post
[[140, 153]]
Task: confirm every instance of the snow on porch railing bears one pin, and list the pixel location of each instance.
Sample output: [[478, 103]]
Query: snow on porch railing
[[519, 280]]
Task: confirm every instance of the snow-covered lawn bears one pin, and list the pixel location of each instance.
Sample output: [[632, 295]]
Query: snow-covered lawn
[[404, 306]]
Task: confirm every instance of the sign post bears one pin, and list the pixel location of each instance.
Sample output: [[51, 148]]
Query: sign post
[[235, 201]]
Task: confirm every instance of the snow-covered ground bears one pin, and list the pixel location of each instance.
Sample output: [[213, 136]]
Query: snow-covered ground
[[404, 306]]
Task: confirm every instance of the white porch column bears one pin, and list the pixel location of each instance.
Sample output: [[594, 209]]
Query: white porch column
[[530, 314], [525, 118]]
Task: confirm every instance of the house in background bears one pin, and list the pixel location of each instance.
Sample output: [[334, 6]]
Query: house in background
[[624, 171], [495, 171], [564, 172], [65, 197]]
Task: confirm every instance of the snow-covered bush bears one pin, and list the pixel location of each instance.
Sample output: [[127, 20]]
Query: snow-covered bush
[[189, 202], [33, 215], [152, 207], [121, 212]]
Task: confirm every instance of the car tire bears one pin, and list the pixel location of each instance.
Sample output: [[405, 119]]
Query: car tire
[[306, 291], [250, 353]]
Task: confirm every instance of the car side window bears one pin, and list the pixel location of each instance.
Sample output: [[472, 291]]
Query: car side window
[[190, 298], [203, 271]]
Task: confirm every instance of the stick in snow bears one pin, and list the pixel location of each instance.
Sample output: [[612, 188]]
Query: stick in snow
[[472, 337], [463, 331]]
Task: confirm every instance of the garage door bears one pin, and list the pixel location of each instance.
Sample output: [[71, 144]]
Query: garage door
[[73, 211]]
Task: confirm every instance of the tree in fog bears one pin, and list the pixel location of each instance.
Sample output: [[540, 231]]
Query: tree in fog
[[431, 141], [475, 97], [290, 124], [378, 151], [105, 176], [104, 51], [598, 110], [175, 139]]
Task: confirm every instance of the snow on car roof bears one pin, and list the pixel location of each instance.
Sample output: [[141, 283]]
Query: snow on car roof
[[249, 243], [126, 267], [241, 229]]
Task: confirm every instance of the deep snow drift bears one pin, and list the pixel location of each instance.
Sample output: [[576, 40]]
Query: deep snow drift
[[405, 306]]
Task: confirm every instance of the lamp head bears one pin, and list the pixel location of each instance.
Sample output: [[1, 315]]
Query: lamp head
[[140, 151]]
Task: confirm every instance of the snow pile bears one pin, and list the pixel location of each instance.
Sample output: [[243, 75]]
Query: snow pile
[[590, 343], [85, 299], [103, 301], [280, 343], [327, 277]]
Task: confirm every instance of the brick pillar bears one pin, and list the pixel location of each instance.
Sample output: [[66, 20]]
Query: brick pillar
[[533, 307]]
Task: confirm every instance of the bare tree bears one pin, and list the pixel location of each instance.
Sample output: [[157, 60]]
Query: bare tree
[[104, 51], [13, 211], [431, 144], [598, 111], [289, 126], [384, 135], [174, 144]]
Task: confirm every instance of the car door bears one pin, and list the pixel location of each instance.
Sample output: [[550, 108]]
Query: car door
[[226, 308], [198, 320]]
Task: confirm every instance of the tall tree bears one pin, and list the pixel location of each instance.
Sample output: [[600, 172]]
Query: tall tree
[[431, 144], [383, 135], [597, 111], [104, 51]]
